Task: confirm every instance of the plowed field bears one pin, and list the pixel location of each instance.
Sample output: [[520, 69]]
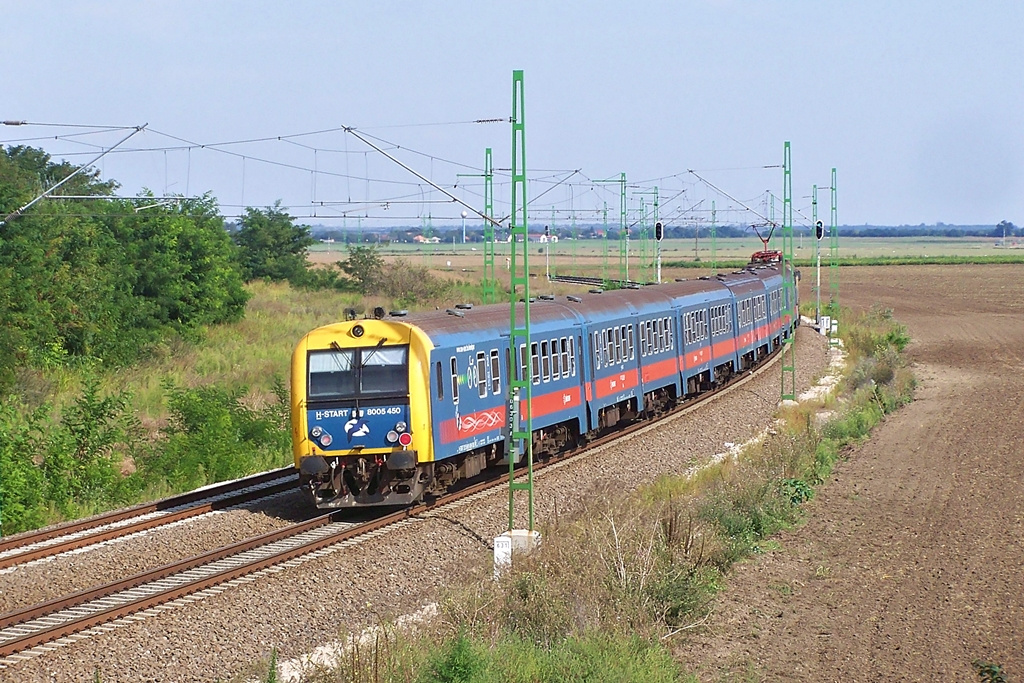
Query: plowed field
[[909, 566]]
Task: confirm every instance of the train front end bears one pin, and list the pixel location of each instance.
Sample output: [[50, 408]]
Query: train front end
[[360, 413]]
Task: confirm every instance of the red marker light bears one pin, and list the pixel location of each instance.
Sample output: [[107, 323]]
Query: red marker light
[[405, 438]]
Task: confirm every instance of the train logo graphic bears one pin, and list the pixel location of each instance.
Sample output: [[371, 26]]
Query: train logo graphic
[[356, 427]]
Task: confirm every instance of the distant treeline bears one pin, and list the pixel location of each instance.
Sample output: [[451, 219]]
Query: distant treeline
[[590, 232], [937, 230]]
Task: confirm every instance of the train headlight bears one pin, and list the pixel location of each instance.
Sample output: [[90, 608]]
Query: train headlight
[[392, 436], [326, 440], [401, 427], [405, 438], [357, 331], [316, 431]]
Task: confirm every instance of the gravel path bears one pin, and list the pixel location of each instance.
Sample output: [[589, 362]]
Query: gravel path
[[298, 608]]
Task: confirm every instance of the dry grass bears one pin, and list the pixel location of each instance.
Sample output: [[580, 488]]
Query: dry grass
[[251, 353]]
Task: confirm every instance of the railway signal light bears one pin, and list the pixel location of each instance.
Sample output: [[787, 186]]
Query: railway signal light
[[659, 231], [819, 229]]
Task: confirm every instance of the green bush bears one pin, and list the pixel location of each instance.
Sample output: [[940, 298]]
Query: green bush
[[460, 661], [82, 461], [54, 469], [271, 246], [22, 484], [213, 436], [594, 657]]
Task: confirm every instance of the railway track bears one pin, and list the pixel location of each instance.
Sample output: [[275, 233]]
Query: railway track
[[36, 629], [34, 545]]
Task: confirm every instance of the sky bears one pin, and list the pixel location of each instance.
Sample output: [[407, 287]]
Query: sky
[[918, 105]]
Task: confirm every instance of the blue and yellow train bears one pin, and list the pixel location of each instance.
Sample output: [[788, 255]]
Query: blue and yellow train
[[388, 409]]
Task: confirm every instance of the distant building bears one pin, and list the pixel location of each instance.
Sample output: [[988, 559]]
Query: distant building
[[542, 238]]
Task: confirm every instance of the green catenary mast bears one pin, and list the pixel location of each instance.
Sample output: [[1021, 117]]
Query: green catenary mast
[[714, 247], [604, 248], [647, 245], [490, 284], [641, 277], [816, 287], [623, 232], [575, 232], [833, 265], [520, 392], [551, 259], [788, 285]]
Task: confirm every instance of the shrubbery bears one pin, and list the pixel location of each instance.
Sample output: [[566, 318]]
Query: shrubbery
[[95, 456], [104, 279], [64, 468], [213, 436], [272, 246], [402, 283]]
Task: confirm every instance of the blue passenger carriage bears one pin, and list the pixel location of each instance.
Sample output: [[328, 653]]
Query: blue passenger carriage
[[388, 409], [706, 348]]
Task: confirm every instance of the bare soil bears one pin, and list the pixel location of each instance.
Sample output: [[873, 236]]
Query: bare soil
[[909, 564]]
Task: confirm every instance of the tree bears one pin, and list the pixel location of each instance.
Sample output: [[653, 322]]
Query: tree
[[57, 262], [182, 264], [365, 266], [100, 279], [272, 246], [1004, 228]]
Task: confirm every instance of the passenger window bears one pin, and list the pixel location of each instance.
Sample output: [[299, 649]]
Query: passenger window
[[440, 384], [535, 359], [495, 373], [632, 351], [455, 381], [545, 360], [481, 374], [565, 357], [556, 360], [523, 363]]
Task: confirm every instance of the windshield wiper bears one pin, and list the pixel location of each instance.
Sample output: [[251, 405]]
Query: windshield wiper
[[364, 360], [337, 359]]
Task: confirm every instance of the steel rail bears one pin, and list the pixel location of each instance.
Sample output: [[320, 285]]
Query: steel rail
[[108, 533], [9, 543]]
